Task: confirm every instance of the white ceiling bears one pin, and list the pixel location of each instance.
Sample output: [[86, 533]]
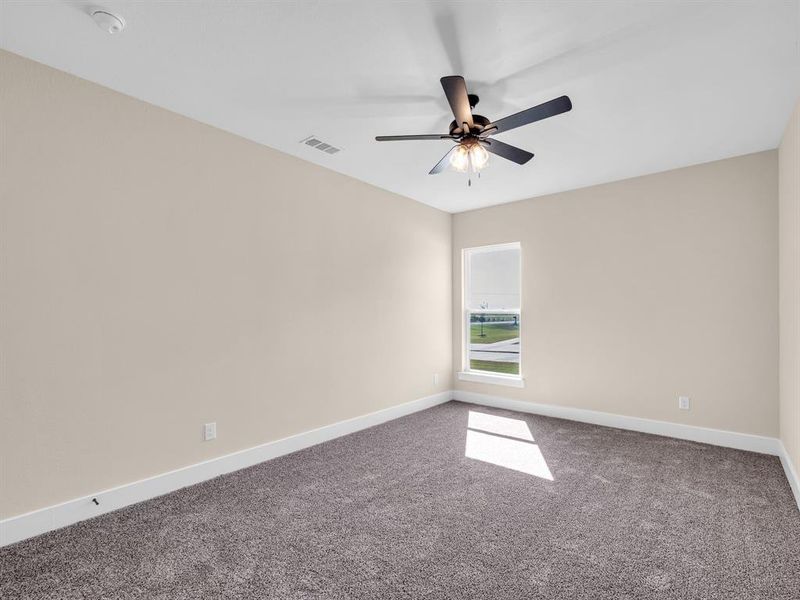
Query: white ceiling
[[655, 85]]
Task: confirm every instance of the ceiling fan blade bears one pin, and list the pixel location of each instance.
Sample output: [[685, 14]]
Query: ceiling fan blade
[[531, 115], [512, 153], [456, 91], [442, 164], [395, 138]]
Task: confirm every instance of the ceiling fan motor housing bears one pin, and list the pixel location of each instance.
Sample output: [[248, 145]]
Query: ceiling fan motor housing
[[478, 121]]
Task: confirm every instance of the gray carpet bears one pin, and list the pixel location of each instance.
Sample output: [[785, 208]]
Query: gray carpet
[[398, 511]]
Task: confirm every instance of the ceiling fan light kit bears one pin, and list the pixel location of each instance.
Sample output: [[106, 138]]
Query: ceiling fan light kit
[[472, 132], [469, 156]]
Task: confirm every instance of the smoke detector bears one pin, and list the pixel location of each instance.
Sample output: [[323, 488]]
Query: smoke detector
[[108, 22]]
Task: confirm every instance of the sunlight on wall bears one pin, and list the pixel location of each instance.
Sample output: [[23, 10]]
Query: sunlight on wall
[[506, 443]]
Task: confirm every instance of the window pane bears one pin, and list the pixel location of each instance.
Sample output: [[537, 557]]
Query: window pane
[[494, 343], [494, 279]]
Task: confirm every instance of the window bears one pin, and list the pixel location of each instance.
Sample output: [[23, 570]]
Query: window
[[492, 314]]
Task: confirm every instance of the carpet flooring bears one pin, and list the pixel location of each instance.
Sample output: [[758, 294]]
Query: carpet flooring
[[444, 504]]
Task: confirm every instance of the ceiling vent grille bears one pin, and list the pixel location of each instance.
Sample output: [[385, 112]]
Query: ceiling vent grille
[[319, 145]]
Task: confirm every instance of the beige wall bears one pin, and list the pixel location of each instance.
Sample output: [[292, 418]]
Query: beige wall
[[789, 175], [642, 290], [158, 274]]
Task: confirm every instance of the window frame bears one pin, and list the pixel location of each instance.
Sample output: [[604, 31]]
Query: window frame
[[475, 375]]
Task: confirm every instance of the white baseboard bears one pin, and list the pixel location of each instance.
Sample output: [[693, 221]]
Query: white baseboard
[[791, 474], [717, 437], [34, 523]]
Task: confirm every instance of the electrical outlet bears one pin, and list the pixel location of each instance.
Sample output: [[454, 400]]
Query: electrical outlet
[[683, 402], [435, 379], [209, 431]]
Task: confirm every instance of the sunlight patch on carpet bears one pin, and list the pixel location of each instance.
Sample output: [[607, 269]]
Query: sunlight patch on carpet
[[506, 443]]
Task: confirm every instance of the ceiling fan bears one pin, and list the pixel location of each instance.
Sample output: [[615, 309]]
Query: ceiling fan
[[473, 132]]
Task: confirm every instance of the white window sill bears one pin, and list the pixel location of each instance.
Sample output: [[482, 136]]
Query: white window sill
[[509, 380]]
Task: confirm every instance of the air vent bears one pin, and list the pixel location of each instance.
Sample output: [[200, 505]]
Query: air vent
[[319, 145]]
